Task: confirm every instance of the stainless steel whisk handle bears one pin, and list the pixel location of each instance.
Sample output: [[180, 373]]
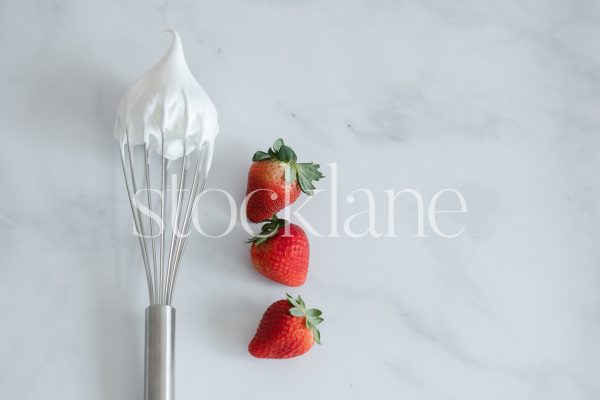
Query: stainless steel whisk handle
[[159, 368]]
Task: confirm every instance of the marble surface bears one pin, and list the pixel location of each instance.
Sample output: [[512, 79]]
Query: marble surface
[[496, 99]]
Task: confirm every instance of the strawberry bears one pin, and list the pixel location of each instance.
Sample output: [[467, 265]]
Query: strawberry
[[281, 252], [287, 329], [275, 181]]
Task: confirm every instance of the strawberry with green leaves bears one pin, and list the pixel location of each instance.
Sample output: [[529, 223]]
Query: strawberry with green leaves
[[281, 252], [287, 329], [276, 179]]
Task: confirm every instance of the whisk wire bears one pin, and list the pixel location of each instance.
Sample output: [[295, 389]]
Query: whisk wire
[[136, 216], [198, 183], [162, 267], [149, 200], [162, 216], [185, 240], [176, 220], [181, 232]]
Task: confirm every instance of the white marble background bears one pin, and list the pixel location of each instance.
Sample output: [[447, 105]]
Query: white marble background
[[498, 99]]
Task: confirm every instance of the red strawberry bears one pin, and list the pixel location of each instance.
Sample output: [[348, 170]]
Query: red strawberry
[[275, 180], [287, 329], [280, 252]]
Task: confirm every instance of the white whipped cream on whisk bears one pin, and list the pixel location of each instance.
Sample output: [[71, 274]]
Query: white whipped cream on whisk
[[168, 102]]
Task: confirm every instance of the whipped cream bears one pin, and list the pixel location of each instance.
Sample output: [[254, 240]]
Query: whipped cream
[[167, 102]]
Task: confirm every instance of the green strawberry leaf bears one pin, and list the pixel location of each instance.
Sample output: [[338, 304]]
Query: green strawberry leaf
[[285, 154], [313, 312], [277, 145], [301, 302], [316, 320], [268, 230], [260, 155], [296, 312], [307, 173], [292, 301], [317, 336]]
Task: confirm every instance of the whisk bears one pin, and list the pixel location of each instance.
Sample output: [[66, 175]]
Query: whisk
[[165, 164], [162, 245]]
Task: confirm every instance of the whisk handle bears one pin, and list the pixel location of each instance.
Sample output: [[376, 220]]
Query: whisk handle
[[159, 369]]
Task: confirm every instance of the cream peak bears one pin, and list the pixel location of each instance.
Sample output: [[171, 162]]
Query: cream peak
[[167, 103]]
